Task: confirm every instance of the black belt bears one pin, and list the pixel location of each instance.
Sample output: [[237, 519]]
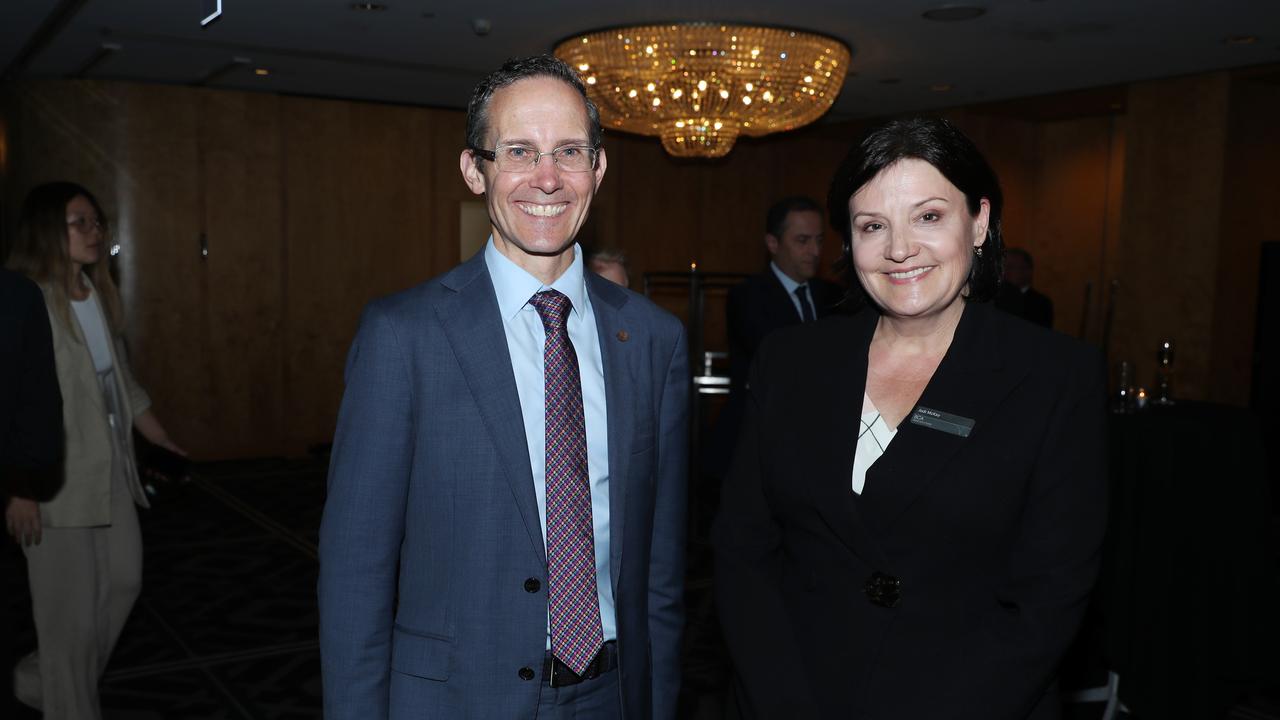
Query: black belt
[[557, 674]]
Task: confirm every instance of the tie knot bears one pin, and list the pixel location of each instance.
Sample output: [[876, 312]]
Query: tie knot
[[552, 306]]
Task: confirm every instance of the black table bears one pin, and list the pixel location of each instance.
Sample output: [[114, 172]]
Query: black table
[[1188, 591]]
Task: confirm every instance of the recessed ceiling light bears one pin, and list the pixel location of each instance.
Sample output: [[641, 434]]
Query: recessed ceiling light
[[1241, 39], [261, 71], [369, 6], [954, 13], [941, 87]]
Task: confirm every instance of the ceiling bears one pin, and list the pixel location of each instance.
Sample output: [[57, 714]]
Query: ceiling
[[426, 52]]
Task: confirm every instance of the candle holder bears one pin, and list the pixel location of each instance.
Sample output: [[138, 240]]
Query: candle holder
[[1122, 400], [1164, 373]]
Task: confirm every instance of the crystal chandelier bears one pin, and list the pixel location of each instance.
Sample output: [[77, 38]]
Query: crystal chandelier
[[698, 86]]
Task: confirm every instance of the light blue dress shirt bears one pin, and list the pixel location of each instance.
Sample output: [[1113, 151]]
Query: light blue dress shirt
[[525, 337], [790, 286]]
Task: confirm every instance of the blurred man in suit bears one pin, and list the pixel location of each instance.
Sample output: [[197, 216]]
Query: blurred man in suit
[[788, 292], [1017, 297], [504, 531]]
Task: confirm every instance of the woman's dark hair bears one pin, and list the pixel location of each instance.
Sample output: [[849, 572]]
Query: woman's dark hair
[[943, 146]]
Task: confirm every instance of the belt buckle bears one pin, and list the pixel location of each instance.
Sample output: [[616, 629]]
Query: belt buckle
[[561, 675]]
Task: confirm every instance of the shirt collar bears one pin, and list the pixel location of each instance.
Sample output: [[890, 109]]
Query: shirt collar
[[787, 283], [514, 286]]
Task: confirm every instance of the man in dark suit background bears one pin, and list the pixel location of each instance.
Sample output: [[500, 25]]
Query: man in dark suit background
[[30, 424], [504, 531], [1016, 296], [788, 292]]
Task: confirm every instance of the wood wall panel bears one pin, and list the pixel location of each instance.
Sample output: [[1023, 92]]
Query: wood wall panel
[[1249, 192], [359, 223], [158, 184], [314, 207], [1169, 231], [1068, 227], [448, 191], [244, 301]]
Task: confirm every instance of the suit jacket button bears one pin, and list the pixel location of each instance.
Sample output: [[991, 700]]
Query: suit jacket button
[[883, 589], [532, 585], [526, 673]]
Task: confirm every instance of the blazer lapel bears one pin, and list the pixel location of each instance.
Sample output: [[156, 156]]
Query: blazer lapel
[[780, 304], [836, 423], [971, 381], [619, 358], [473, 325], [73, 353]]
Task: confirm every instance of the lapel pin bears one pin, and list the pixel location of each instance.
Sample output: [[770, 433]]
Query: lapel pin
[[623, 335]]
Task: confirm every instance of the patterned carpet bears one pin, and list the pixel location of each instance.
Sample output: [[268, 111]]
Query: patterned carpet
[[226, 625]]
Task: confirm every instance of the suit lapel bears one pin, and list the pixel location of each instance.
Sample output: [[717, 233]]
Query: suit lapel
[[75, 354], [618, 358], [835, 425], [971, 382], [473, 325], [780, 304]]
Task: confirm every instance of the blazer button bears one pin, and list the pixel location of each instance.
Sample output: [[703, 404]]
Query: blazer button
[[526, 673], [883, 589], [532, 585]]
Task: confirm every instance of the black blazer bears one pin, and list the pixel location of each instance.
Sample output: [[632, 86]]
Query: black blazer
[[994, 538], [30, 402], [1032, 305], [760, 305]]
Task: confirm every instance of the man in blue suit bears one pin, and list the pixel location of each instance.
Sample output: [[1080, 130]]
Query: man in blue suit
[[504, 530]]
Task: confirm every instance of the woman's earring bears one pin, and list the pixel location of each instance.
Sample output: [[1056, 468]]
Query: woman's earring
[[977, 250]]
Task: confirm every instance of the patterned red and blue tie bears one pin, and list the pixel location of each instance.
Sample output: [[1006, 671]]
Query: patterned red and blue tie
[[574, 607]]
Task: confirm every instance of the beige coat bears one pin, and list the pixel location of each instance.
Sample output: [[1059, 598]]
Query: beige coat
[[85, 497]]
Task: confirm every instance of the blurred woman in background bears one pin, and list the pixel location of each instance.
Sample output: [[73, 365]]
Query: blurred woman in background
[[83, 546]]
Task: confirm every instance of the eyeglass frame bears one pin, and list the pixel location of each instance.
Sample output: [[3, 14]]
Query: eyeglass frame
[[492, 156], [85, 225]]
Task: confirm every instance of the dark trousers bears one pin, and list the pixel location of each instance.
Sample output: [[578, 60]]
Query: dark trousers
[[599, 698]]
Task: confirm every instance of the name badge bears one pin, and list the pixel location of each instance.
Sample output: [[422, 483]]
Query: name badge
[[938, 420]]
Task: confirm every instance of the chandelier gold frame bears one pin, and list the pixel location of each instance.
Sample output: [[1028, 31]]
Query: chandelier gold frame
[[699, 86]]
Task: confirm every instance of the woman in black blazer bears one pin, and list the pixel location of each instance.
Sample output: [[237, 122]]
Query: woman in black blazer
[[946, 577]]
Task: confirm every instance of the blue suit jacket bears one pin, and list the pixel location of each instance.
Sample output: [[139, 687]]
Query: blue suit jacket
[[431, 530]]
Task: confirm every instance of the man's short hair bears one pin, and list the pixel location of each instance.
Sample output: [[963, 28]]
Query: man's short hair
[[607, 255], [775, 220], [513, 71]]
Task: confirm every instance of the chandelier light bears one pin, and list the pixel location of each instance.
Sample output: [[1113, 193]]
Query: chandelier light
[[698, 86]]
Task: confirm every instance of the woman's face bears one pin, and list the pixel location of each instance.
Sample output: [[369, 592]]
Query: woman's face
[[84, 231], [913, 239]]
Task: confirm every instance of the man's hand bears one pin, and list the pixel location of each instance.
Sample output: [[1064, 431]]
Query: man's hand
[[22, 520]]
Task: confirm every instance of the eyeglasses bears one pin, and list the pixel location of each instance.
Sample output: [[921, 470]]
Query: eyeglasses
[[522, 158], [86, 225]]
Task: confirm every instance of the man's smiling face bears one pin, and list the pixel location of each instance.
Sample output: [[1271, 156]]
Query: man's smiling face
[[538, 212]]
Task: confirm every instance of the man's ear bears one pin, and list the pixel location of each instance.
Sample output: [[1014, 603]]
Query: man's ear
[[771, 243], [602, 161], [469, 164]]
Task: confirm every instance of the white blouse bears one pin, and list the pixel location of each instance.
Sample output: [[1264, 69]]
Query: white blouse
[[94, 326], [874, 437]]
